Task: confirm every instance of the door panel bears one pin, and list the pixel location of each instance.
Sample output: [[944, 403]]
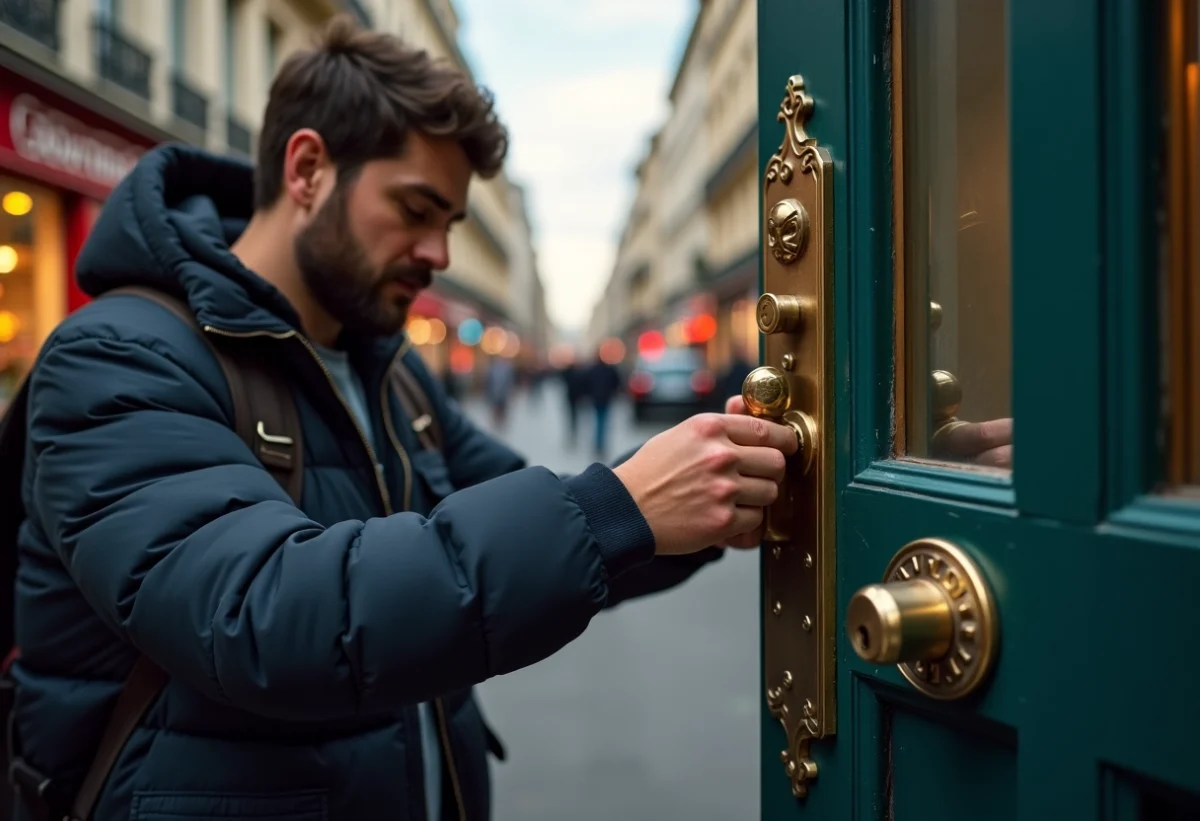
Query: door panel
[[1060, 143]]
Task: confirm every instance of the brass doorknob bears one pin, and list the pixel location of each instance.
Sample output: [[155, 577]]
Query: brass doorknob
[[933, 615], [768, 394]]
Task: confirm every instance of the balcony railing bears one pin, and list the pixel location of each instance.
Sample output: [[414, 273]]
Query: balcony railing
[[36, 19], [237, 135], [189, 104], [121, 62]]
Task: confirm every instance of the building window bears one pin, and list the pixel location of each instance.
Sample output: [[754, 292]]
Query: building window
[[179, 34], [230, 68], [108, 11], [33, 277], [274, 48]]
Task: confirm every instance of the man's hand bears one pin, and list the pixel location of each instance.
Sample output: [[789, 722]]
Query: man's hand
[[707, 480], [984, 443]]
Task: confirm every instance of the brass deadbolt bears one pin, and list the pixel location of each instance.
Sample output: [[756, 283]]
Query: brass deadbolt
[[933, 615], [779, 313]]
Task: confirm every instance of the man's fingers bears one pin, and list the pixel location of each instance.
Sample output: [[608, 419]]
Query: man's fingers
[[747, 541], [974, 438], [766, 463], [745, 520], [756, 492], [753, 432], [1001, 457], [735, 404]]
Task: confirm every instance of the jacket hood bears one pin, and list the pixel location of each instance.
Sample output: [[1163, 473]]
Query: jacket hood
[[169, 225]]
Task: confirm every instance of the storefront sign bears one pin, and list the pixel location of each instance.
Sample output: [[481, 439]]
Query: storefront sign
[[47, 137]]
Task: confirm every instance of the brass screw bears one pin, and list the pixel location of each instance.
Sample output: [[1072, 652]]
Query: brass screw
[[789, 362], [778, 608], [807, 623], [787, 680], [808, 560]]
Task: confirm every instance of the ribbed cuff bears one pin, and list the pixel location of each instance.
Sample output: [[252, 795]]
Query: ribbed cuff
[[621, 531]]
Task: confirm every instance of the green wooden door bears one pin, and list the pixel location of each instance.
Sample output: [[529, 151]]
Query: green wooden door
[[1013, 205]]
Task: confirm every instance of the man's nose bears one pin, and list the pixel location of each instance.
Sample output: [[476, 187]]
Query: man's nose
[[434, 251]]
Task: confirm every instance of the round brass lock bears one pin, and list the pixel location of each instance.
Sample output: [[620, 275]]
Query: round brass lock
[[768, 394], [779, 313], [933, 615]]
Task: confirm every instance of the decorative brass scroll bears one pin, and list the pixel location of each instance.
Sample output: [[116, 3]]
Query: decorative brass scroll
[[799, 578]]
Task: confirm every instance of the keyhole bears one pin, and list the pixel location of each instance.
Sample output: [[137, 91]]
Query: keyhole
[[864, 638]]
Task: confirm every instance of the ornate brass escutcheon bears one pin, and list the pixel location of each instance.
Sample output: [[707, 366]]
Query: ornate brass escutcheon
[[795, 388], [933, 615]]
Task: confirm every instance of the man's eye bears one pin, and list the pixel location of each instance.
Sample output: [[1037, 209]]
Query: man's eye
[[414, 215]]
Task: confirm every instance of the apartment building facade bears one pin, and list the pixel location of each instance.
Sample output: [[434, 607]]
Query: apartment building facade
[[87, 86], [700, 271]]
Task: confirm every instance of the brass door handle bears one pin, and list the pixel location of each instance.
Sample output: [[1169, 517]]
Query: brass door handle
[[768, 395], [933, 615]]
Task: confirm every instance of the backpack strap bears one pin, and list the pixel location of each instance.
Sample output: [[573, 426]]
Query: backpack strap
[[145, 682], [264, 410], [266, 418], [417, 406]]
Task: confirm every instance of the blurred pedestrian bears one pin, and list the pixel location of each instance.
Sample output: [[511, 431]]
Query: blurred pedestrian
[[574, 379], [498, 388], [603, 383]]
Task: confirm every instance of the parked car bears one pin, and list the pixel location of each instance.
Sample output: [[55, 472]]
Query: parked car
[[671, 381]]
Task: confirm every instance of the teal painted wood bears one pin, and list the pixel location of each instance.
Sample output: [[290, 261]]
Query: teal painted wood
[[1090, 713], [1057, 256], [1132, 150]]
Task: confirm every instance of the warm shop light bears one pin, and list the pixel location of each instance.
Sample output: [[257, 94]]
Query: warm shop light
[[437, 331], [10, 323], [419, 330], [512, 346], [612, 351], [17, 203], [8, 259], [494, 340]]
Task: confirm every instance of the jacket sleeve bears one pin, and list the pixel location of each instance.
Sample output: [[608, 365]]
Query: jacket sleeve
[[188, 549], [475, 456]]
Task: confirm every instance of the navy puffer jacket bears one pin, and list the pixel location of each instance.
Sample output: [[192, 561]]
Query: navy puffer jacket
[[298, 642]]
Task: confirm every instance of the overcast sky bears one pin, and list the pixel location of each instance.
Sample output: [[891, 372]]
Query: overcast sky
[[581, 85]]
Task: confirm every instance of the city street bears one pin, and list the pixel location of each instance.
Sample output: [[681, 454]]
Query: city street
[[653, 712]]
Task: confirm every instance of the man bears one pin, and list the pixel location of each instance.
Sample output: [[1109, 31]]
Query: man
[[320, 657], [603, 384]]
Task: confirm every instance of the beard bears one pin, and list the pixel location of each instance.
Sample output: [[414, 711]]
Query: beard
[[334, 266]]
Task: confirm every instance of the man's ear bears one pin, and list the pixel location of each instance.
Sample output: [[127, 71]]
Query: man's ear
[[306, 166]]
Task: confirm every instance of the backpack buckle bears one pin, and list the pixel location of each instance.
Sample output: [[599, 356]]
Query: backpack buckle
[[273, 450]]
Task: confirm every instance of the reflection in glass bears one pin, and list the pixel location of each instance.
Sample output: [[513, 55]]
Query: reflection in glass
[[953, 232], [1182, 241]]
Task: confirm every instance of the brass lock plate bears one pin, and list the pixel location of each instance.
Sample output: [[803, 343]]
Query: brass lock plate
[[796, 316]]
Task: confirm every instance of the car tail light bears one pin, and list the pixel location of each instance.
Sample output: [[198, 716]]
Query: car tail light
[[641, 383], [703, 382]]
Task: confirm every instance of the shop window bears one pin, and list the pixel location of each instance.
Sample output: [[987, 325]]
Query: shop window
[[33, 277]]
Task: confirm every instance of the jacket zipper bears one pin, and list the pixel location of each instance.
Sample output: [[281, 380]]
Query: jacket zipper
[[383, 491], [376, 465], [443, 732]]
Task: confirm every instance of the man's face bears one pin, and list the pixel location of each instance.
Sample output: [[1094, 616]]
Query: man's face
[[375, 240]]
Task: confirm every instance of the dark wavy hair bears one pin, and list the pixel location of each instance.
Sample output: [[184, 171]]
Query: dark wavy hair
[[363, 91]]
